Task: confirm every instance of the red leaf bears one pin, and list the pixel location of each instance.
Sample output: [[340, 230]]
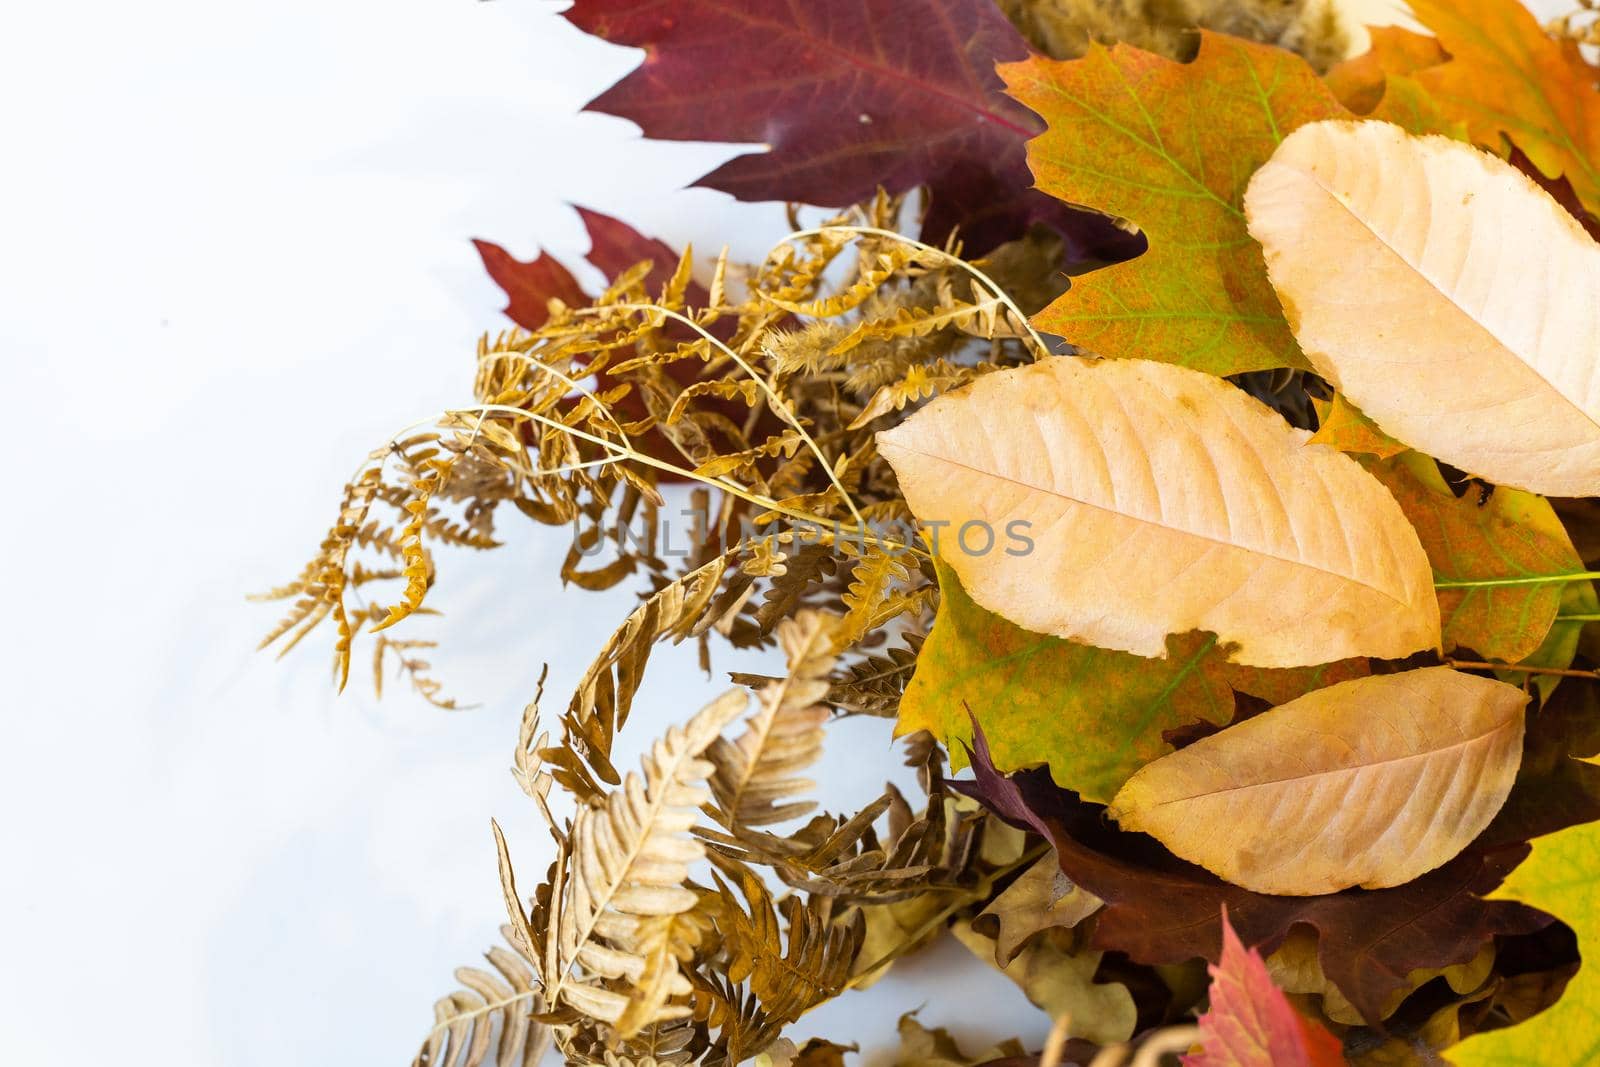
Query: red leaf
[[1162, 910], [614, 246], [1250, 1022], [530, 285], [849, 95]]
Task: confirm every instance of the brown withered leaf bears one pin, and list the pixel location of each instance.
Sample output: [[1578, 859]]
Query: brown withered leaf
[[1042, 898], [1162, 910]]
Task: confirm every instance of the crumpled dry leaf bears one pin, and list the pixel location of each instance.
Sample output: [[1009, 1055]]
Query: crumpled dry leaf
[[1296, 969], [1061, 983], [1442, 292], [1371, 783], [1162, 500], [1042, 898], [924, 1047]]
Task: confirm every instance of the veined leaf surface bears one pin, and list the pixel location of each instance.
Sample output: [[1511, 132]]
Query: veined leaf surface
[[1368, 783], [1444, 293], [1160, 500]]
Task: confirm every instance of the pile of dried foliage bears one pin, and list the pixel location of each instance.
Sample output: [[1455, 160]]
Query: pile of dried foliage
[[1214, 473]]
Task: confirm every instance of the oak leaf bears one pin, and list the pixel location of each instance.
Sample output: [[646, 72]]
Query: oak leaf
[[1509, 79], [1359, 82], [1371, 782], [1061, 982], [1170, 146], [1436, 287], [1250, 1022], [1094, 715], [848, 97], [1163, 500], [1161, 910]]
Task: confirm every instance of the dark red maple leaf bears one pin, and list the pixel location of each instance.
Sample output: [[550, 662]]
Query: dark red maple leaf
[[1250, 1022], [1160, 909], [614, 246], [848, 95]]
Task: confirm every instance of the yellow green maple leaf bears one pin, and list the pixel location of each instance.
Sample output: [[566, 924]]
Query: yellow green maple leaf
[[1562, 877], [1093, 715], [1171, 147]]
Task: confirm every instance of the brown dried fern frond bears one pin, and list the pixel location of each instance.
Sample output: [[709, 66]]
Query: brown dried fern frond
[[755, 783]]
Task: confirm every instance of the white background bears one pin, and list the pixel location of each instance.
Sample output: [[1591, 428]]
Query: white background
[[235, 257]]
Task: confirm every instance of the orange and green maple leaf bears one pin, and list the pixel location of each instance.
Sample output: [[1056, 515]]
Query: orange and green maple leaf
[[1507, 78], [1171, 146]]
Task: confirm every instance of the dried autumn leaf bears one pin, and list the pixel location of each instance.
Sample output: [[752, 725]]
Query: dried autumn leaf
[[1508, 78], [1163, 500], [1042, 898], [1512, 537], [1162, 910], [1093, 715], [1250, 1023], [848, 98], [1170, 146], [1359, 82], [1561, 877], [1061, 982], [1341, 425], [1369, 783], [1439, 289]]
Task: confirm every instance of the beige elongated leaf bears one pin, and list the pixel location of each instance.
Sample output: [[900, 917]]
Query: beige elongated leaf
[[1370, 782], [1152, 500], [1451, 299]]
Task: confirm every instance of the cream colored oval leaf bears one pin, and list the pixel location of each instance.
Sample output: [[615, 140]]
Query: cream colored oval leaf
[[1370, 782], [1451, 299], [1159, 500]]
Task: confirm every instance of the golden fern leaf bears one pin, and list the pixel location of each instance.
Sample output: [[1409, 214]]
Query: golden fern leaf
[[611, 953], [794, 966], [873, 684], [604, 695], [868, 598], [754, 781], [465, 1019], [919, 382]]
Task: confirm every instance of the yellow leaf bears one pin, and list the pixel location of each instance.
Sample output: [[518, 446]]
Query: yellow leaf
[[1444, 293], [1562, 877], [1159, 500], [1370, 783]]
